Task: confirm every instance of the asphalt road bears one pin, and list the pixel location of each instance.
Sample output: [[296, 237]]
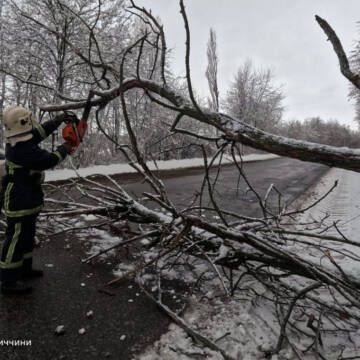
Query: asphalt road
[[290, 177], [69, 288]]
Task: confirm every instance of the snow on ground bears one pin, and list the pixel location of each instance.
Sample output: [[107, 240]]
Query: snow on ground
[[100, 239], [243, 338], [245, 331], [342, 204], [342, 207], [64, 174]]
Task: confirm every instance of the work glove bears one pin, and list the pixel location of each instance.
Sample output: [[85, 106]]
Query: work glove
[[59, 119], [64, 118], [68, 147]]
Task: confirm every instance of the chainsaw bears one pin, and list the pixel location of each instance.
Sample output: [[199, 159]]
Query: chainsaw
[[75, 129]]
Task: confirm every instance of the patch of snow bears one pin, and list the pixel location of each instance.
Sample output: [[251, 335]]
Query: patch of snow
[[223, 251], [89, 217], [341, 206], [145, 241], [60, 330], [101, 240], [123, 268]]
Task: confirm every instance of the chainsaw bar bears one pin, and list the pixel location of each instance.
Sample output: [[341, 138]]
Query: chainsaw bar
[[88, 106]]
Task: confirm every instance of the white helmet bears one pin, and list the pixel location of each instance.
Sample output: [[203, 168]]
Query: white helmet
[[18, 123]]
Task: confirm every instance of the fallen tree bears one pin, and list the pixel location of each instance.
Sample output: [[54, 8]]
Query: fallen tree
[[271, 249]]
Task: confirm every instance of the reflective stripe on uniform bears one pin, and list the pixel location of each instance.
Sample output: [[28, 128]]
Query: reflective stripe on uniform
[[25, 212], [8, 263], [7, 196], [14, 265], [18, 213], [57, 153], [41, 131], [32, 172], [14, 241], [10, 163], [28, 255], [12, 166]]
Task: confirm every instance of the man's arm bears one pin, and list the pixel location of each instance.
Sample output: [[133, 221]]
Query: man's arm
[[42, 131], [40, 159]]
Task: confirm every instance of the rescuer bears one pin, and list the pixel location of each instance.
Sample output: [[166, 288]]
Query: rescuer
[[22, 192]]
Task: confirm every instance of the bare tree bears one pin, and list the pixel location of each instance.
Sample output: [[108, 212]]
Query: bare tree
[[211, 71], [254, 99], [315, 129], [354, 91]]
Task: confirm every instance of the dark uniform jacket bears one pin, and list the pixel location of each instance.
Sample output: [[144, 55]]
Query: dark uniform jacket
[[25, 161]]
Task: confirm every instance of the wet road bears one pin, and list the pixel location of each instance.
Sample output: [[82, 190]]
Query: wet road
[[290, 177], [69, 288]]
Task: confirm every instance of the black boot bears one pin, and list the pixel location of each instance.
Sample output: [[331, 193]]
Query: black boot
[[14, 288], [32, 273]]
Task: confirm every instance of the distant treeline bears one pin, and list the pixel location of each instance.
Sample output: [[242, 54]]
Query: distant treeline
[[317, 130]]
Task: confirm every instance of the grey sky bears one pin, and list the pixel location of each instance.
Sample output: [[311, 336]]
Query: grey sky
[[277, 34]]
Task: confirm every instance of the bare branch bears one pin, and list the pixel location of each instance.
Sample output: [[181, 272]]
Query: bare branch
[[338, 48]]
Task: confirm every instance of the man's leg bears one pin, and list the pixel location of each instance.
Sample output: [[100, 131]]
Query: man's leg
[[12, 258], [29, 242]]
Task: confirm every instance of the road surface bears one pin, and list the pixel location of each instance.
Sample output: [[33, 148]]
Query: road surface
[[127, 322], [291, 177]]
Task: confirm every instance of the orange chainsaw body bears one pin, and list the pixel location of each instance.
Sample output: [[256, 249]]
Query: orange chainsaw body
[[74, 133]]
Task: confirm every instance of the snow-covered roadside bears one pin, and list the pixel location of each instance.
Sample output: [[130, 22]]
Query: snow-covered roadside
[[64, 174], [245, 331], [342, 207]]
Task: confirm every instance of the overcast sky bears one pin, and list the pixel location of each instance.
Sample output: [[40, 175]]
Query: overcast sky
[[278, 34]]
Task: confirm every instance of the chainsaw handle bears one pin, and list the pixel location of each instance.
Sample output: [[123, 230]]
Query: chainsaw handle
[[71, 118]]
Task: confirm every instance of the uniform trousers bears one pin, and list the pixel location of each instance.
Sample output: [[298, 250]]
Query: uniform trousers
[[16, 256]]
